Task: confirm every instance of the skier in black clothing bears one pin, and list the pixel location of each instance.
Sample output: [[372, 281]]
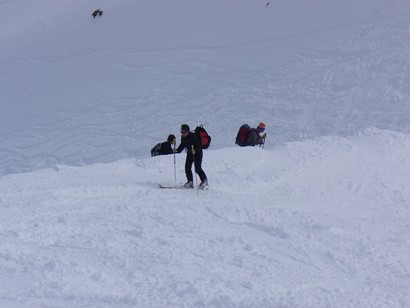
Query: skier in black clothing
[[194, 155]]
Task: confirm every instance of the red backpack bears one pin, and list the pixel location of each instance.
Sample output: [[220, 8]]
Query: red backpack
[[203, 136], [242, 135]]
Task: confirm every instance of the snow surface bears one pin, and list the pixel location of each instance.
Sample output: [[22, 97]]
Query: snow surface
[[317, 218]]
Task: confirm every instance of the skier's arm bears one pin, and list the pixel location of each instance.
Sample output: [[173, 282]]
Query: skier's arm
[[180, 148]]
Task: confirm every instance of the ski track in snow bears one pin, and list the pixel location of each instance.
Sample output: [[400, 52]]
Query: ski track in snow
[[305, 224], [343, 84]]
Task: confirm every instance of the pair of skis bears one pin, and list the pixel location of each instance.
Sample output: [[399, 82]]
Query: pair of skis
[[179, 187]]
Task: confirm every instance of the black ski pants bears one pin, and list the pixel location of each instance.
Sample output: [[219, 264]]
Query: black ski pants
[[197, 160]]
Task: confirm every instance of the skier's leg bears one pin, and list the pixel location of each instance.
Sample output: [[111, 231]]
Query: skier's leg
[[188, 167], [198, 166]]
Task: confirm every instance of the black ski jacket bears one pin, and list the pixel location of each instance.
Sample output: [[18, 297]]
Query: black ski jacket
[[166, 148], [187, 142]]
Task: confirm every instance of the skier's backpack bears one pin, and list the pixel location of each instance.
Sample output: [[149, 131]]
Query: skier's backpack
[[155, 150], [242, 135], [203, 136]]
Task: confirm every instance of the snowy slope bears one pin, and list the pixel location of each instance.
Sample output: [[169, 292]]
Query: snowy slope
[[77, 90], [313, 224], [318, 218]]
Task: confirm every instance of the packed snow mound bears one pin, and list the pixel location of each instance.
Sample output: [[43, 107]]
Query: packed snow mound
[[306, 224]]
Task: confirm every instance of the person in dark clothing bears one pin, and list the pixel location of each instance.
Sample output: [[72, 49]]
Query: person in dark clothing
[[194, 156], [164, 148], [255, 137]]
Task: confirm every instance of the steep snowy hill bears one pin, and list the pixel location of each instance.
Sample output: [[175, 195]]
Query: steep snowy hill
[[77, 90], [323, 223]]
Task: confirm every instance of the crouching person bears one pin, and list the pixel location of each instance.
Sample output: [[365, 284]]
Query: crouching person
[[164, 148]]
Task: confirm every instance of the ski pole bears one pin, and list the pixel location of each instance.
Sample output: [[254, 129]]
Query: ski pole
[[263, 141], [193, 156], [175, 166]]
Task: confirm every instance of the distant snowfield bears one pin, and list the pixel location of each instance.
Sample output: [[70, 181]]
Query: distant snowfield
[[77, 90], [320, 223]]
